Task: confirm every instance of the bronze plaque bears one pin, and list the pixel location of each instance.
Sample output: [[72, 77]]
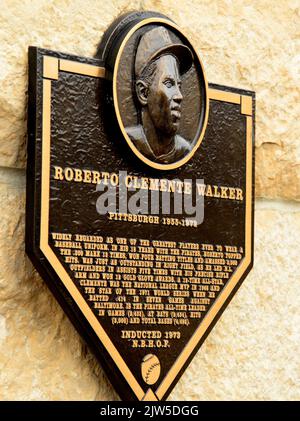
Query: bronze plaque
[[139, 197]]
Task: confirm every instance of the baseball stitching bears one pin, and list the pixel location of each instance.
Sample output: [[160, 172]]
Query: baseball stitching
[[150, 369]]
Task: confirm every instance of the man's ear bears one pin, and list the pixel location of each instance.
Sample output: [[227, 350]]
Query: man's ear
[[142, 91]]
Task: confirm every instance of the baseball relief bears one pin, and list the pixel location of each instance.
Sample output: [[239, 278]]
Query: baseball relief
[[150, 368]]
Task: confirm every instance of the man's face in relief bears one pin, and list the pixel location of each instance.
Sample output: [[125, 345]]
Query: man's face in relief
[[164, 96]]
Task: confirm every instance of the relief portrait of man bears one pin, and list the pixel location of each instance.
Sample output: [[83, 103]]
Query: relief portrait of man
[[159, 66]]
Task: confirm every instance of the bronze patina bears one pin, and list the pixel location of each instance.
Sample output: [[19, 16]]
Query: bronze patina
[[159, 66]]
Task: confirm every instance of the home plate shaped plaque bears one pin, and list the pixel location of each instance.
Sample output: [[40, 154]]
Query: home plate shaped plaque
[[139, 197]]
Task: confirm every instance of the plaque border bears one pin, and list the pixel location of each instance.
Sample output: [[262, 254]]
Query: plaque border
[[52, 66]]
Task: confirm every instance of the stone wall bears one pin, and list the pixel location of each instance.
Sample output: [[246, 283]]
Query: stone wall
[[253, 352]]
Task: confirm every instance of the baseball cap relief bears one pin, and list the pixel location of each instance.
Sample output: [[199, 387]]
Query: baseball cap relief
[[156, 43]]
